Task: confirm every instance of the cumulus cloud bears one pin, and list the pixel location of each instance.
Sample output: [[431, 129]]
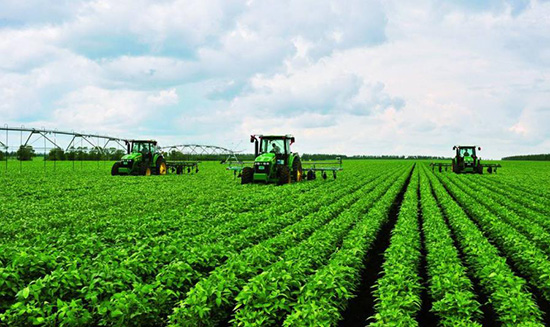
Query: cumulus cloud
[[361, 76]]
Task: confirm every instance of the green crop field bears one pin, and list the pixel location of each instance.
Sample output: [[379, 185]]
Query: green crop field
[[388, 243]]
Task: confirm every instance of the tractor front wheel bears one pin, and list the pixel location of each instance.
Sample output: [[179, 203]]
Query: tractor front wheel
[[114, 170], [247, 175], [145, 171], [284, 175]]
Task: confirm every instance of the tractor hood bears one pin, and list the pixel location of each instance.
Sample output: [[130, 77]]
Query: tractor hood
[[131, 156], [265, 157]]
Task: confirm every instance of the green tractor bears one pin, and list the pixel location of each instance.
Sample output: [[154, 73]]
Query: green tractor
[[143, 158], [466, 161], [274, 162]]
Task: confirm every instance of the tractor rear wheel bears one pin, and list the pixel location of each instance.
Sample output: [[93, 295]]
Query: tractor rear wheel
[[114, 170], [161, 167], [247, 175], [284, 175], [297, 170]]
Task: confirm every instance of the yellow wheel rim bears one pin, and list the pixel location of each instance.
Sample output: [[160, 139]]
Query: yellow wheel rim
[[162, 169], [299, 179], [148, 172]]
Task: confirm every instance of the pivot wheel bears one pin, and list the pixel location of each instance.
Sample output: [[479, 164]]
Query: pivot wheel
[[297, 170], [247, 175], [161, 167], [114, 170], [284, 175]]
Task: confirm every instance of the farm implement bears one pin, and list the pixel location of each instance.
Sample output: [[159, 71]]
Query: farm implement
[[466, 162], [275, 163], [145, 158]]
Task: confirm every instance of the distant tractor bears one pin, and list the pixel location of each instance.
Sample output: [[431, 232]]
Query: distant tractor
[[466, 161], [142, 158], [275, 163]]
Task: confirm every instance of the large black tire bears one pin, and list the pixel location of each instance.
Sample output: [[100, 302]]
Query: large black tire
[[297, 171], [247, 175], [161, 168], [284, 175], [114, 170], [311, 175]]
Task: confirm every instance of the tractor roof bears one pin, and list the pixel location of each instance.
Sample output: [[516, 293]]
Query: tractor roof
[[144, 141], [466, 146], [287, 136]]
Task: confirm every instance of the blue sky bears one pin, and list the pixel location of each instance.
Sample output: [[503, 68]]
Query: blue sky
[[354, 77]]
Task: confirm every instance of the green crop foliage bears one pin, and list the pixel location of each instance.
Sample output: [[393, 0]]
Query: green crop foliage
[[79, 247]]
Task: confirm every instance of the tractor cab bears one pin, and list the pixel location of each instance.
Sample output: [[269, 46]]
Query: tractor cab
[[466, 160], [145, 148], [279, 146], [466, 153], [273, 160]]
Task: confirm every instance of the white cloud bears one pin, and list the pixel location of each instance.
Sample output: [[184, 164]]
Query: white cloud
[[164, 97], [358, 77]]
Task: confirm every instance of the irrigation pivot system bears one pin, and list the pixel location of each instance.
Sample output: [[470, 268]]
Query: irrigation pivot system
[[275, 163], [466, 162], [141, 157]]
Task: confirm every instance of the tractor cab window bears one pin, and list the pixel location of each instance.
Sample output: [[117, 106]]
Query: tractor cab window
[[141, 148], [467, 152], [273, 146]]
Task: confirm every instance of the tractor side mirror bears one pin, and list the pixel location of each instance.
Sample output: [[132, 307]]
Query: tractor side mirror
[[292, 139], [252, 138], [479, 148], [454, 147]]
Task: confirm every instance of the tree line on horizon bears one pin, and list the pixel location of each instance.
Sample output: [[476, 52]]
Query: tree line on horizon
[[529, 157], [27, 153]]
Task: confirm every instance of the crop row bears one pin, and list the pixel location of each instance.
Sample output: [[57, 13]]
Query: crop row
[[22, 266], [210, 301], [325, 295], [99, 290], [529, 259], [397, 291], [528, 202], [507, 293], [450, 288], [529, 225]]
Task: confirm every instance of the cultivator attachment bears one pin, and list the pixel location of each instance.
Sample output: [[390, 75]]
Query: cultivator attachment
[[324, 167], [180, 166], [309, 168], [440, 166], [491, 168]]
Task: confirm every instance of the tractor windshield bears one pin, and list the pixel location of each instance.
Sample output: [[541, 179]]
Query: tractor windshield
[[467, 152], [141, 147], [276, 146]]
